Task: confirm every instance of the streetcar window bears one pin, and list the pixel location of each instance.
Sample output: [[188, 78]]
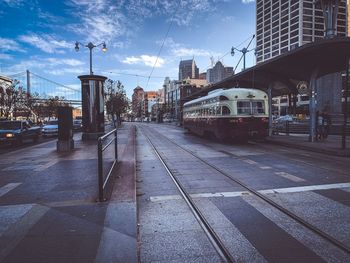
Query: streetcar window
[[225, 110], [243, 107], [258, 107]]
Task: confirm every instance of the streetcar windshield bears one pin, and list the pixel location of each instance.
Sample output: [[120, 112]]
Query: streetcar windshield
[[250, 107]]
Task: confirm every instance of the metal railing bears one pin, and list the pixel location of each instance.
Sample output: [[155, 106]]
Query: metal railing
[[102, 182]]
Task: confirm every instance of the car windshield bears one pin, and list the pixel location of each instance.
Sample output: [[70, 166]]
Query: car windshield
[[52, 123], [10, 125]]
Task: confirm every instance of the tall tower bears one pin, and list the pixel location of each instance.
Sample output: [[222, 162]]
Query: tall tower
[[188, 69], [283, 25]]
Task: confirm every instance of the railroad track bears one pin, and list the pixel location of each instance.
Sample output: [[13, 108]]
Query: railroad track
[[213, 237]]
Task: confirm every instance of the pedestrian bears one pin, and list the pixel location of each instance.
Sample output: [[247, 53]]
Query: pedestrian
[[326, 124], [319, 125]]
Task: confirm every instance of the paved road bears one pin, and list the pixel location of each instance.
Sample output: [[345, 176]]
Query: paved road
[[315, 187], [6, 148]]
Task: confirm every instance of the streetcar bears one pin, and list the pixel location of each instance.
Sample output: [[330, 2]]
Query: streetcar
[[228, 114]]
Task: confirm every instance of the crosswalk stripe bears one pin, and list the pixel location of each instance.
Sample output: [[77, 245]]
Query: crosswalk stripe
[[8, 187], [290, 177], [267, 191]]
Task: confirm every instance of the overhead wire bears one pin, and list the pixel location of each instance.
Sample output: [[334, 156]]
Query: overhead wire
[[161, 47]]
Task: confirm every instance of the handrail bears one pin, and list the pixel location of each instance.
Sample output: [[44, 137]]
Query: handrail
[[102, 183]]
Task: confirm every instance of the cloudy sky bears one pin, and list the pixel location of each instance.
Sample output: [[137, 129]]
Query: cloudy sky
[[144, 37]]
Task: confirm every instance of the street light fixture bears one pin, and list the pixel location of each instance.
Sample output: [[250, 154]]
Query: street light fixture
[[244, 51], [90, 46]]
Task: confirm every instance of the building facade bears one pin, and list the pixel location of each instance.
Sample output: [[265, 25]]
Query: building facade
[[188, 69], [218, 72], [283, 25], [176, 93], [137, 102]]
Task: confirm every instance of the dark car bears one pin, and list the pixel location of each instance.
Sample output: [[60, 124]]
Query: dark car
[[15, 132]]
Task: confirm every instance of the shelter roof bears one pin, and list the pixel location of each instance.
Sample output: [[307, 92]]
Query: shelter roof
[[284, 71]]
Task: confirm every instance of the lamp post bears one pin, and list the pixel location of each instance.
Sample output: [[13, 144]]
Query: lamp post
[[90, 46], [244, 51]]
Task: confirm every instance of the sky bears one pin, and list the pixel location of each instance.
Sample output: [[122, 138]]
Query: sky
[[146, 39]]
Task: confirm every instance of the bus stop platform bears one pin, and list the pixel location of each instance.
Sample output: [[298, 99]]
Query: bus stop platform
[[48, 207], [332, 145]]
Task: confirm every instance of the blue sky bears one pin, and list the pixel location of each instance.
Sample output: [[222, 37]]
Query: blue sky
[[39, 35]]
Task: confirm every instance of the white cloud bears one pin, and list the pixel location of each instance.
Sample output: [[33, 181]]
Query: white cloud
[[53, 66], [63, 71], [68, 62], [7, 44], [145, 60], [13, 3], [106, 20], [247, 1], [181, 51], [46, 43], [5, 56]]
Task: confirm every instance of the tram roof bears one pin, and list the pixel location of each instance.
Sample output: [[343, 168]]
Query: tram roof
[[286, 70], [229, 93]]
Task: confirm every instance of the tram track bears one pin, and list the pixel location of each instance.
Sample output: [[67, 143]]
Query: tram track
[[210, 233], [251, 190], [321, 157]]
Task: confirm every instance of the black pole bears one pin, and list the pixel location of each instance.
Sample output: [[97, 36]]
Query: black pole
[[90, 60], [116, 144], [346, 90], [100, 170]]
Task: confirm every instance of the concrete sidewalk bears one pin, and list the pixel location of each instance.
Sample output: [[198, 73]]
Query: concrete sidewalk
[[332, 145], [48, 208]]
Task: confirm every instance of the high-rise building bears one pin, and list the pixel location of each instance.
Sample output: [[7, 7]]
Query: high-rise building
[[188, 69], [218, 72], [283, 25], [137, 101]]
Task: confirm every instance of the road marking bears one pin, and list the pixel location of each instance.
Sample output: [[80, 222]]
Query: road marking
[[267, 191], [290, 177], [7, 188], [306, 188], [249, 161], [17, 231], [164, 198], [42, 167], [265, 167]]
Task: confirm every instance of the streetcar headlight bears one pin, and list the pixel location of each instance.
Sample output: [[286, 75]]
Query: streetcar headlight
[[10, 135]]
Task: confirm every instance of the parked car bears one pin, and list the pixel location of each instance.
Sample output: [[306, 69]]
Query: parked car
[[77, 125], [15, 132], [50, 128]]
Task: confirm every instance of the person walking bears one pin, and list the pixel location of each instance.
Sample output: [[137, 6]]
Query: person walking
[[319, 125], [326, 124]]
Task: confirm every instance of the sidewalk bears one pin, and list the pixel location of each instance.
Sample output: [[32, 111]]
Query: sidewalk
[[331, 145], [48, 208]]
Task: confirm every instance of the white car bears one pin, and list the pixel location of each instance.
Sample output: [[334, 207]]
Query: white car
[[50, 128]]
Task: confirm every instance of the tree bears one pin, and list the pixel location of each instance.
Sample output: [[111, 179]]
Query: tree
[[9, 94], [116, 101]]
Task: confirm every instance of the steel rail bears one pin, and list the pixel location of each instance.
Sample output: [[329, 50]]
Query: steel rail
[[300, 220], [213, 237]]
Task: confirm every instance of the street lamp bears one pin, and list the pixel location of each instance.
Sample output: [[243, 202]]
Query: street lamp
[[90, 46], [244, 51]]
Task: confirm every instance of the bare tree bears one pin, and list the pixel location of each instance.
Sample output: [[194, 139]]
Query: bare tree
[[116, 101]]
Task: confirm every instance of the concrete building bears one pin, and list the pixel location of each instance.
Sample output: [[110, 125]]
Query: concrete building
[[283, 25], [176, 93], [218, 72], [188, 69], [137, 101]]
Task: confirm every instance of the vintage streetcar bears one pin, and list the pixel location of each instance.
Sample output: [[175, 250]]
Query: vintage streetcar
[[228, 114]]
